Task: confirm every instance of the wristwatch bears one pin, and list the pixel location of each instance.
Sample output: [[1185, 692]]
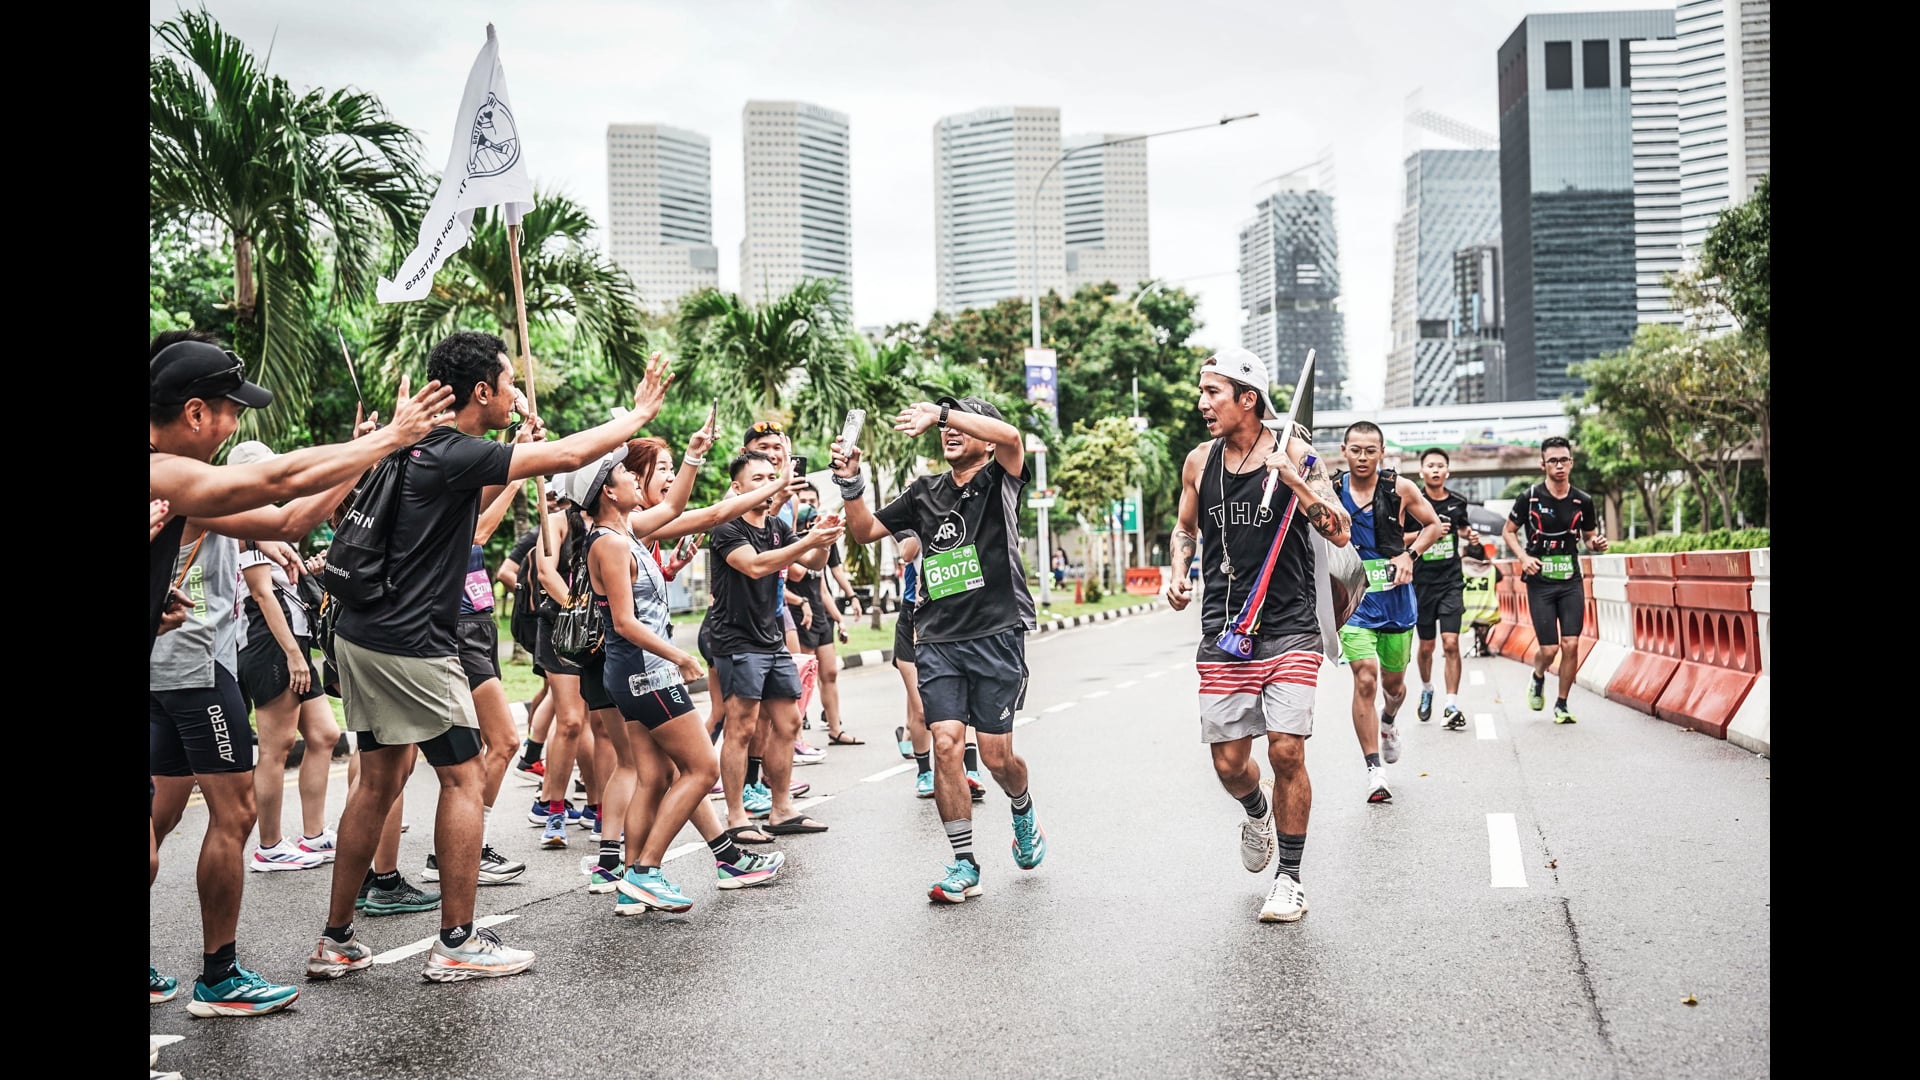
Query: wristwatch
[[943, 416]]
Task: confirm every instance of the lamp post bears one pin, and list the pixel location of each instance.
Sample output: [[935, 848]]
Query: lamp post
[[1040, 459]]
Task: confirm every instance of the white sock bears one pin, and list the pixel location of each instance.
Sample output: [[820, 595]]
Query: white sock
[[1450, 701], [1426, 687], [486, 825]]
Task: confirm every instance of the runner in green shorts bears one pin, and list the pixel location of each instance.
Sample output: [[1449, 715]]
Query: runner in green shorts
[[1392, 649]]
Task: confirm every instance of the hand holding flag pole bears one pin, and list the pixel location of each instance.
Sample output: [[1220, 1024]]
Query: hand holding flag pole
[[1285, 429]]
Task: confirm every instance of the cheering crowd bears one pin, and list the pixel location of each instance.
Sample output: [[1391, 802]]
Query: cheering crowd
[[401, 604]]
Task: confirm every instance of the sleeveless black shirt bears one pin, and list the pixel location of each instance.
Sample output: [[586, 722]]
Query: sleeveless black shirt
[[161, 553], [1231, 522]]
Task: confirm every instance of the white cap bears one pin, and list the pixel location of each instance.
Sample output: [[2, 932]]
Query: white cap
[[557, 485], [1242, 366], [249, 452], [584, 483]]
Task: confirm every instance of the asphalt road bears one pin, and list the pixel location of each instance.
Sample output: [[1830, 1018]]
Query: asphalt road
[[1134, 950]]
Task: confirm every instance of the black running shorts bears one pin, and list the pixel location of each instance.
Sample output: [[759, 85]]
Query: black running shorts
[[903, 637], [1559, 609], [451, 747], [1439, 605], [981, 681], [592, 689], [201, 731], [651, 708], [479, 639], [263, 670]]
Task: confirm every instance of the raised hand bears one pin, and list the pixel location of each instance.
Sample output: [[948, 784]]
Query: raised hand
[[652, 391], [157, 518], [916, 419], [701, 441], [414, 415], [846, 459]]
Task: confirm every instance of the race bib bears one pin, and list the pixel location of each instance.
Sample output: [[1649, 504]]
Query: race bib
[[1556, 567], [1439, 551], [952, 572], [479, 591], [1379, 575]]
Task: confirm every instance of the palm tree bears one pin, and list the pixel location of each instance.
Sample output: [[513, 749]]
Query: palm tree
[[307, 186], [570, 286], [791, 350]]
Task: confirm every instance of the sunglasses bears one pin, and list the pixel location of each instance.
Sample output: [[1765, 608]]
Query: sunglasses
[[768, 427], [224, 380]]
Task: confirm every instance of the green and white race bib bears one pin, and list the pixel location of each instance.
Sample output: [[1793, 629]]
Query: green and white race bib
[[1439, 551], [952, 572], [1379, 575], [1556, 567]]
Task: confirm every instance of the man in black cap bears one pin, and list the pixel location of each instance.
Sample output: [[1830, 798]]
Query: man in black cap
[[971, 625]]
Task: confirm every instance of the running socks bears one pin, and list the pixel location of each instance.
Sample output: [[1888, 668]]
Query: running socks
[[1291, 847], [486, 825], [753, 771], [1023, 803], [1560, 704], [609, 854], [556, 806], [1373, 760], [724, 849], [960, 835], [1386, 718], [531, 753], [1450, 702], [973, 757], [455, 936], [340, 934], [1256, 803], [218, 965], [924, 762], [388, 880], [643, 870]]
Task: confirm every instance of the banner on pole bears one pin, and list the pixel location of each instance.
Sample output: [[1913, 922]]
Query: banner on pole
[[1041, 386], [485, 168]]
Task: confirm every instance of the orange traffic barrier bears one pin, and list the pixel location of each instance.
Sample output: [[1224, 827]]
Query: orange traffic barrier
[[1719, 640], [1503, 598], [1520, 644], [1143, 580], [1644, 674]]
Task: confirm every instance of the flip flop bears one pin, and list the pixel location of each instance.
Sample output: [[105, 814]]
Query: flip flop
[[739, 839], [801, 824], [844, 739]]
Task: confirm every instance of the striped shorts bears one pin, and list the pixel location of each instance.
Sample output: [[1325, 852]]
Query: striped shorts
[[1272, 691]]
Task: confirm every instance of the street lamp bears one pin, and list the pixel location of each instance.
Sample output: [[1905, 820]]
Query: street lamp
[[1040, 458]]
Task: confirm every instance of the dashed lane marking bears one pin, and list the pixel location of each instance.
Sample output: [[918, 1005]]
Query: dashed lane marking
[[1062, 707], [1483, 726], [1097, 694], [1023, 721], [1503, 851], [1127, 684], [884, 773], [684, 849]]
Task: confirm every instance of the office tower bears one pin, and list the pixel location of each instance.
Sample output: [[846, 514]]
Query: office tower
[[1452, 201], [799, 206], [993, 216], [1479, 326], [1105, 194], [1290, 286], [660, 211]]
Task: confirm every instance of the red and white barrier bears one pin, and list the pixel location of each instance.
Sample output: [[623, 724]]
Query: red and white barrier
[[1719, 641], [1752, 726], [1614, 623], [1644, 675]]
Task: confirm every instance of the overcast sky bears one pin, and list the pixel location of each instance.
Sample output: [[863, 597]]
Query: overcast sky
[[1319, 74]]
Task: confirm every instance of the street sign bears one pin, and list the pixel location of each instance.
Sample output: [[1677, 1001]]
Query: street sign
[[1127, 513], [1039, 502]]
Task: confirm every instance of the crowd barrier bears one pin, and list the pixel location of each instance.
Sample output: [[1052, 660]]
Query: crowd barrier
[[1144, 580], [1752, 725]]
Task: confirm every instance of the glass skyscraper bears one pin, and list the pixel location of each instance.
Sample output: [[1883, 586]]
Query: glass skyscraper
[[1290, 288]]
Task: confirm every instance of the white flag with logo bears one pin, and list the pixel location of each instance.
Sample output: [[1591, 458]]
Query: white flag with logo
[[486, 168]]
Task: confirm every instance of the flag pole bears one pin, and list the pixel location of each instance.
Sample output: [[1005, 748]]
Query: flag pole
[[526, 357]]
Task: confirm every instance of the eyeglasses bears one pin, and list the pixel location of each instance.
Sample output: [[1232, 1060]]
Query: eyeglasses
[[1556, 461], [768, 427]]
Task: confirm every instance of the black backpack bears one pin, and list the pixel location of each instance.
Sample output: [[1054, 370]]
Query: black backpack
[[359, 571], [1389, 540]]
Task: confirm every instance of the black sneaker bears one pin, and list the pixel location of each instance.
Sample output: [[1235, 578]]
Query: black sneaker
[[366, 886], [404, 897], [432, 872]]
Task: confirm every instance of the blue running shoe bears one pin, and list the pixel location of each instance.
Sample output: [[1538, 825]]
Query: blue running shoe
[[537, 816], [160, 987], [1029, 841], [905, 744], [589, 820], [962, 881], [923, 785], [555, 838], [974, 785], [654, 890], [244, 994], [754, 868], [1426, 706], [757, 800]]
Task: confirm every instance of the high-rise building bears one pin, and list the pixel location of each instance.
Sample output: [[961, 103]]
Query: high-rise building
[[1452, 201], [1479, 326], [1566, 192], [660, 211], [799, 199], [1656, 178], [989, 201], [1105, 193], [1290, 287]]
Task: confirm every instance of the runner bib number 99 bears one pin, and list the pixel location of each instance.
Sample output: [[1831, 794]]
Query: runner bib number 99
[[1379, 575], [1441, 550], [1556, 567], [952, 572]]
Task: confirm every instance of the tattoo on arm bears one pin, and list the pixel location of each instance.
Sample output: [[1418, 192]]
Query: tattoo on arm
[[1321, 517], [1184, 546]]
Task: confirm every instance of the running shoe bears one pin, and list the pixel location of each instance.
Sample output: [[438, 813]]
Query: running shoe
[[243, 994], [962, 881], [1426, 706], [1286, 903], [537, 815], [718, 791], [323, 845], [401, 899], [161, 987], [600, 880], [753, 868], [432, 870], [1029, 841], [807, 755], [555, 838], [652, 889], [1377, 790], [923, 785], [589, 820], [1389, 743], [281, 856], [757, 800], [535, 773], [906, 744], [1455, 719], [976, 786], [332, 959], [1562, 716], [366, 887], [497, 869], [1256, 835], [482, 956], [1536, 695]]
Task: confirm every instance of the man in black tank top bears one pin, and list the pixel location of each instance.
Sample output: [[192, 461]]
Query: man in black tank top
[[1262, 598]]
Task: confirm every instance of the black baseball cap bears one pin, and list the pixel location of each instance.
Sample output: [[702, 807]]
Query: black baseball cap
[[194, 369], [972, 405]]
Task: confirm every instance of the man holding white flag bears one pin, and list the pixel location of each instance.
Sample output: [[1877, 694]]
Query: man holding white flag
[[485, 168]]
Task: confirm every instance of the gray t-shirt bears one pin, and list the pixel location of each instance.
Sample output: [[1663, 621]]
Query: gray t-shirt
[[184, 658]]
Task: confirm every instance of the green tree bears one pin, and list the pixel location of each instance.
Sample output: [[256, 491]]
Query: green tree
[[306, 186], [789, 355], [1097, 464], [1737, 252]]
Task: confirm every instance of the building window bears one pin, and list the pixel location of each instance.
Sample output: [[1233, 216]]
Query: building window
[[1559, 65], [1594, 64], [1626, 62]]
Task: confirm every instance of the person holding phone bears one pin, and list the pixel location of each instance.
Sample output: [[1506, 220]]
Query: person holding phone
[[820, 625], [1556, 516]]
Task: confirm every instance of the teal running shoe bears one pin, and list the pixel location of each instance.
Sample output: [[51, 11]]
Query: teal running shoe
[[962, 881], [1426, 706], [754, 868], [923, 785], [600, 880], [654, 890], [757, 800], [1029, 841], [904, 744], [402, 898], [244, 994], [160, 987]]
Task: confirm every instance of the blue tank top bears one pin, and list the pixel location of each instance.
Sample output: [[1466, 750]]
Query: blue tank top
[[910, 583], [1388, 609]]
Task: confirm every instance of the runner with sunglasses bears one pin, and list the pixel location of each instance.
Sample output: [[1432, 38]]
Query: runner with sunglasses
[[1556, 516]]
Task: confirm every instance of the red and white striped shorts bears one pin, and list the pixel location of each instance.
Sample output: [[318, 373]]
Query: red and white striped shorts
[[1271, 691]]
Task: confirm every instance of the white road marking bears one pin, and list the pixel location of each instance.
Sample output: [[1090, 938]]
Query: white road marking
[[1062, 707], [684, 849], [1483, 726], [1023, 721], [1155, 674], [1127, 684], [884, 773], [1503, 850], [418, 947], [1097, 694], [1477, 677]]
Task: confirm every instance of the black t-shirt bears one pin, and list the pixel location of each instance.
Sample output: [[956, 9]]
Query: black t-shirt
[[815, 591], [429, 546], [746, 611], [161, 553], [1440, 564], [972, 582], [1233, 525], [522, 548], [1553, 525]]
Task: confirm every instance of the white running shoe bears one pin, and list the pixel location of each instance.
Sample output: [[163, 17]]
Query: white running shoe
[[1377, 790], [1390, 743], [1256, 835], [282, 856], [1286, 903], [481, 956], [332, 959], [322, 845]]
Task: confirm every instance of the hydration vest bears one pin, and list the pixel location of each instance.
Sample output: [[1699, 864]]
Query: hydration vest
[[1388, 537]]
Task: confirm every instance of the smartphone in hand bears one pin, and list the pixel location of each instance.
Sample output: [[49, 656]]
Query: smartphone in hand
[[799, 465]]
